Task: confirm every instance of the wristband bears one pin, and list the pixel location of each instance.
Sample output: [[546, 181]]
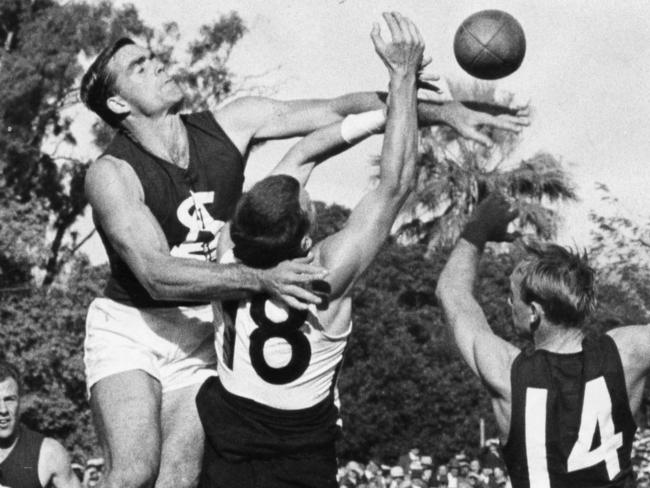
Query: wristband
[[475, 234], [359, 126]]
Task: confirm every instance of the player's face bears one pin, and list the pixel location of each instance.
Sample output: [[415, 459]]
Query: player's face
[[9, 403], [520, 311], [142, 81]]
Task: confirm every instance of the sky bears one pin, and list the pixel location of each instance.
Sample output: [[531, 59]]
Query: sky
[[585, 74]]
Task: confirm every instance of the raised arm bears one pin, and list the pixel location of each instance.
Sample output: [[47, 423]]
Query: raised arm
[[250, 119], [326, 142], [117, 199], [489, 356], [349, 252]]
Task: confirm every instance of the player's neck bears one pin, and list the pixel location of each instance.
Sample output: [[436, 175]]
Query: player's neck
[[558, 339], [163, 136], [7, 445]]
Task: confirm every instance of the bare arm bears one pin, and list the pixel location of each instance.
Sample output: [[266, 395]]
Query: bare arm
[[326, 142], [349, 252], [54, 467], [633, 343], [116, 197], [250, 119], [489, 356]]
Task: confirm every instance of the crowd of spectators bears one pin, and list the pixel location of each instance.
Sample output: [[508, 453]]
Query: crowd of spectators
[[641, 457], [418, 470]]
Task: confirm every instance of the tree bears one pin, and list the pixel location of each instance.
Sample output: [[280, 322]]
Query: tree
[[455, 175]]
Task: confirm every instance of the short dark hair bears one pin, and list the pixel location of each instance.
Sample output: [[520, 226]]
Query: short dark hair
[[269, 224], [561, 281], [8, 370], [98, 84]]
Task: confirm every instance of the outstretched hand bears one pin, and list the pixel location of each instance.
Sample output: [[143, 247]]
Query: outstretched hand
[[490, 221], [468, 117], [404, 52]]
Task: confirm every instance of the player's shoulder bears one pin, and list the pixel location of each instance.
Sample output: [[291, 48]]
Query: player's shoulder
[[107, 171], [53, 455], [240, 109], [632, 341]]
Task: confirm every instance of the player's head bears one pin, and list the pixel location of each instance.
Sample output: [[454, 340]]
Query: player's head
[[552, 283], [272, 222], [9, 400], [126, 78]]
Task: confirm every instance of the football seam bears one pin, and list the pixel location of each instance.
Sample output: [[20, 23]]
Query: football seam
[[484, 46]]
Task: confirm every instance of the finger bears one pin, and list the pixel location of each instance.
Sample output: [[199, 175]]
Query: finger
[[499, 123], [428, 86], [293, 303], [307, 271], [476, 136], [377, 40], [515, 119], [404, 27], [415, 33], [301, 294], [305, 259], [393, 26], [426, 61]]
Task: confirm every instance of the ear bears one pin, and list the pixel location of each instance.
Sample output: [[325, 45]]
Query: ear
[[117, 105], [306, 243], [536, 314]]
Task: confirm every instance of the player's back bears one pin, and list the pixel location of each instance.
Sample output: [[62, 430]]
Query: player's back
[[571, 424]]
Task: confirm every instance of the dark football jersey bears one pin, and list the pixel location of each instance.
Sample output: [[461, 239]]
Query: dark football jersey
[[571, 424], [191, 205]]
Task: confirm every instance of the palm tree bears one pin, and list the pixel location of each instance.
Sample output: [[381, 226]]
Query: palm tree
[[456, 174]]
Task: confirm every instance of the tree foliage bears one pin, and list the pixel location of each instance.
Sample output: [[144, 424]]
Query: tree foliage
[[456, 174]]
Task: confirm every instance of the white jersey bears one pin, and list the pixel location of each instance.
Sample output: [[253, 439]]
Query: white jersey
[[275, 355]]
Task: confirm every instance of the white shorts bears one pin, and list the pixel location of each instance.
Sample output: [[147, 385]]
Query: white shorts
[[174, 345]]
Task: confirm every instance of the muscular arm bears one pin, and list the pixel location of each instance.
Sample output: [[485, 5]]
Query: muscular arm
[[116, 197], [326, 142], [54, 467], [250, 119], [349, 252], [489, 356]]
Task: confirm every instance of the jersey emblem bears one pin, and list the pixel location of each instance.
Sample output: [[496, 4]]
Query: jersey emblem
[[203, 230]]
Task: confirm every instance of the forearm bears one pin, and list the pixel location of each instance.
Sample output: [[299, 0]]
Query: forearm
[[182, 279], [459, 274], [429, 113], [400, 140]]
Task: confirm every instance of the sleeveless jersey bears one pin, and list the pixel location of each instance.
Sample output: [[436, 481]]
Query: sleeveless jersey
[[276, 391], [20, 468], [191, 205], [571, 424]]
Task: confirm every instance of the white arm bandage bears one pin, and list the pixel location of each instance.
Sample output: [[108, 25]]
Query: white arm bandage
[[359, 126]]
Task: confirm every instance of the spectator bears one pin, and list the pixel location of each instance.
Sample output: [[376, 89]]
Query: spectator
[[491, 456], [396, 477], [27, 458], [475, 466], [405, 460], [452, 476], [441, 479]]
